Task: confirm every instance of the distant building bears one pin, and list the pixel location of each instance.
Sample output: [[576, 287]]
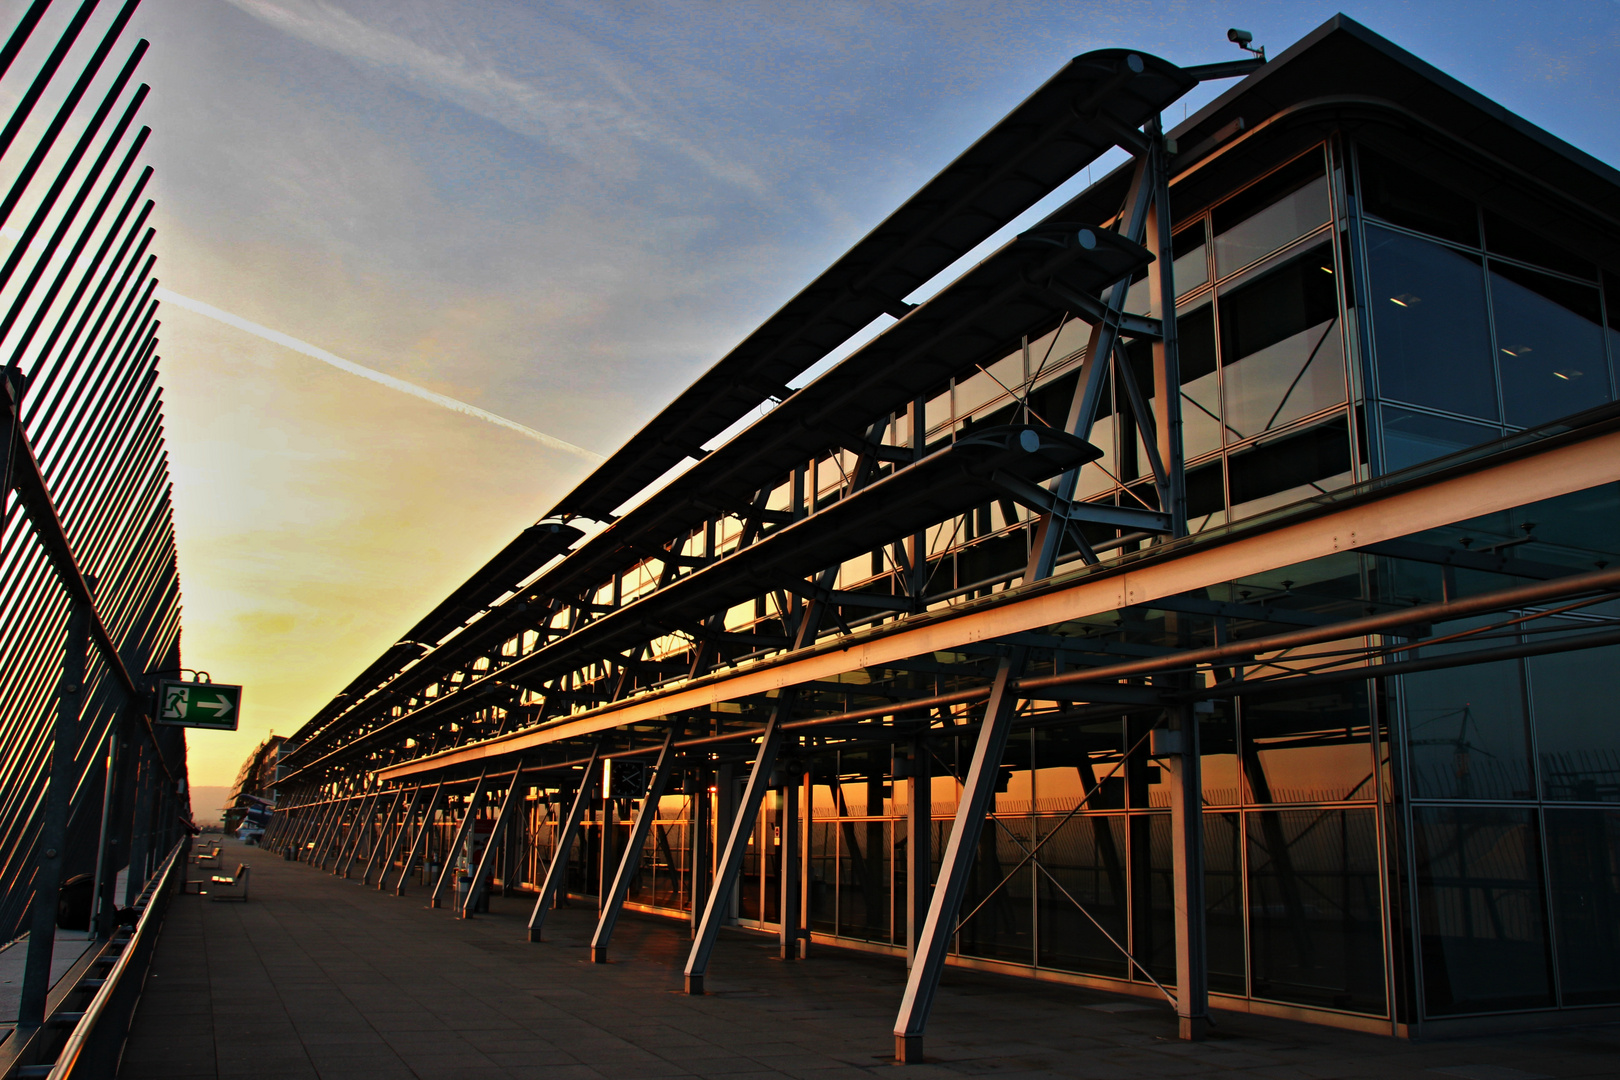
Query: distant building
[[252, 799]]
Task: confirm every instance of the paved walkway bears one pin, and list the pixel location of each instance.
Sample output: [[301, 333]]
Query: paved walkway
[[317, 977]]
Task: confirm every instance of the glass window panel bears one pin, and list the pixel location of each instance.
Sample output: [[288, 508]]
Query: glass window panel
[[975, 391], [1200, 384], [1084, 864], [823, 873], [1315, 749], [1281, 354], [1315, 914], [1505, 237], [1481, 915], [1403, 197], [998, 909], [1429, 325], [1466, 728], [1411, 438], [1583, 862], [1289, 469], [1153, 923], [1550, 336], [1279, 208], [1223, 904], [1218, 755], [1577, 723], [863, 880], [1206, 495], [1191, 266]]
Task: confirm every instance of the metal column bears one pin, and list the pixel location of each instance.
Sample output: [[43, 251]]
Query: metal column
[[558, 870], [53, 830], [919, 841], [486, 861], [725, 877], [790, 935], [392, 846], [417, 842], [613, 902], [449, 869]]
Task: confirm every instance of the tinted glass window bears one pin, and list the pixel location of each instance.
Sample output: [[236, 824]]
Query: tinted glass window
[[1467, 729], [1404, 197], [1505, 237], [1282, 207], [1313, 749], [1200, 386], [1577, 724], [1223, 903], [1549, 333], [1314, 909], [1191, 267], [1429, 325], [1411, 438], [1583, 861], [1280, 345], [1480, 910], [1291, 468], [1088, 859]]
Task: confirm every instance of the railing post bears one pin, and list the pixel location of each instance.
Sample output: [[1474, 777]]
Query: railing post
[[53, 830]]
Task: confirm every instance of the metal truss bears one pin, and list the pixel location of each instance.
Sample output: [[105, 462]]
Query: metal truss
[[89, 591], [726, 620]]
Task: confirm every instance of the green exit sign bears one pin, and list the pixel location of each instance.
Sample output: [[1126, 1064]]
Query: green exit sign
[[199, 705]]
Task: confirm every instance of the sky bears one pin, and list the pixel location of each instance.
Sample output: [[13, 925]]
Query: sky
[[425, 262]]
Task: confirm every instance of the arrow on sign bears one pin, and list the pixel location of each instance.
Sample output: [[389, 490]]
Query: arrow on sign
[[221, 706]]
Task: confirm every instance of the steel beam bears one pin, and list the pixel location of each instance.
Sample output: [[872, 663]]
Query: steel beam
[[919, 840], [630, 861], [392, 846], [447, 872], [978, 795], [360, 830], [566, 830], [418, 841], [376, 847], [52, 850], [486, 860], [697, 962]]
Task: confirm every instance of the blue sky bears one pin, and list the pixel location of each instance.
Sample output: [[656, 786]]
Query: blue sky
[[561, 213]]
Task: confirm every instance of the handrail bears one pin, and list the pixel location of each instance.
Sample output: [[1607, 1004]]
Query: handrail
[[85, 1028]]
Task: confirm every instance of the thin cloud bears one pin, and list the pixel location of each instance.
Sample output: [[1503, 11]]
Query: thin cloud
[[592, 129], [288, 341]]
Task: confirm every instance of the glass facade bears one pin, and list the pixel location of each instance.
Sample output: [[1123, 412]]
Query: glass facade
[[1438, 844]]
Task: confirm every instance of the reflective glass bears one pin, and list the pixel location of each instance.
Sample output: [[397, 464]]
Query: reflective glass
[[1411, 438], [1191, 267], [1084, 864], [1281, 354], [863, 879], [823, 872], [1315, 749], [1429, 324], [1153, 923], [1583, 863], [1218, 755], [1549, 333], [1505, 237], [1481, 916], [1200, 384], [997, 918], [1410, 199], [1275, 210], [1466, 728], [1223, 904], [1577, 723], [1291, 468], [1315, 917]]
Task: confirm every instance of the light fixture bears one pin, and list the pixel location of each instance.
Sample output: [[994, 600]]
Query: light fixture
[[1398, 300]]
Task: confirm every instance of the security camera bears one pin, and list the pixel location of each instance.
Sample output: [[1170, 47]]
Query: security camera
[[1243, 40]]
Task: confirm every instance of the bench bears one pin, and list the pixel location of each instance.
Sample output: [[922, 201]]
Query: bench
[[230, 887]]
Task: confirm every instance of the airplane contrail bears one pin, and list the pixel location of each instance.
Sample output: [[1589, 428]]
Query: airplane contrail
[[168, 296], [288, 341]]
